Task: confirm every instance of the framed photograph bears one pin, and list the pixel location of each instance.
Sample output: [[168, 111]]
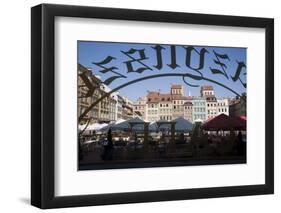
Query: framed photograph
[[139, 106]]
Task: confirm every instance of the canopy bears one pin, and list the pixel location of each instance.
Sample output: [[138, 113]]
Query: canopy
[[136, 123], [181, 125], [159, 125], [153, 127], [224, 123]]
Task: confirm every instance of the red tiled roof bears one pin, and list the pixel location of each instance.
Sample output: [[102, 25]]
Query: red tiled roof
[[158, 97], [211, 98], [180, 97], [187, 103], [234, 101], [153, 96], [165, 97]]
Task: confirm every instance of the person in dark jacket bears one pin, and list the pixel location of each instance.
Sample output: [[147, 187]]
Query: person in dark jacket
[[108, 148]]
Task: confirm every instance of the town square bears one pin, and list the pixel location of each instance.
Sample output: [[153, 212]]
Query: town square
[[190, 121]]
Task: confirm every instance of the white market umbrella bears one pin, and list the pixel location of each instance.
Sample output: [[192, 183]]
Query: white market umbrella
[[106, 127], [92, 127]]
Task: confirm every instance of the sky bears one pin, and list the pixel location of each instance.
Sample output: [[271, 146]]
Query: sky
[[90, 52]]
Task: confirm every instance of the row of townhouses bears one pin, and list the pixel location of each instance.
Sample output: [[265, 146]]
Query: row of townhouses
[[168, 106], [90, 89], [154, 106]]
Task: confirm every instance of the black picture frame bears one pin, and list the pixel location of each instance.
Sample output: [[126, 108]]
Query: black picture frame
[[43, 105]]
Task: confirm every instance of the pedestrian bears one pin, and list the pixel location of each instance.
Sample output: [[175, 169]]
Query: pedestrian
[[108, 148]]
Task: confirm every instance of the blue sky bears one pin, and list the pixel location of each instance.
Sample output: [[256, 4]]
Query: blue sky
[[90, 51]]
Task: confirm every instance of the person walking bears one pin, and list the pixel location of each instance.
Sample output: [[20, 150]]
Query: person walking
[[108, 148]]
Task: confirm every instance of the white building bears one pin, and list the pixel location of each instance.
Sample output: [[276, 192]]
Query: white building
[[115, 97], [223, 106], [188, 108], [140, 107], [165, 107], [199, 109], [152, 107], [178, 98], [207, 91], [211, 107]]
